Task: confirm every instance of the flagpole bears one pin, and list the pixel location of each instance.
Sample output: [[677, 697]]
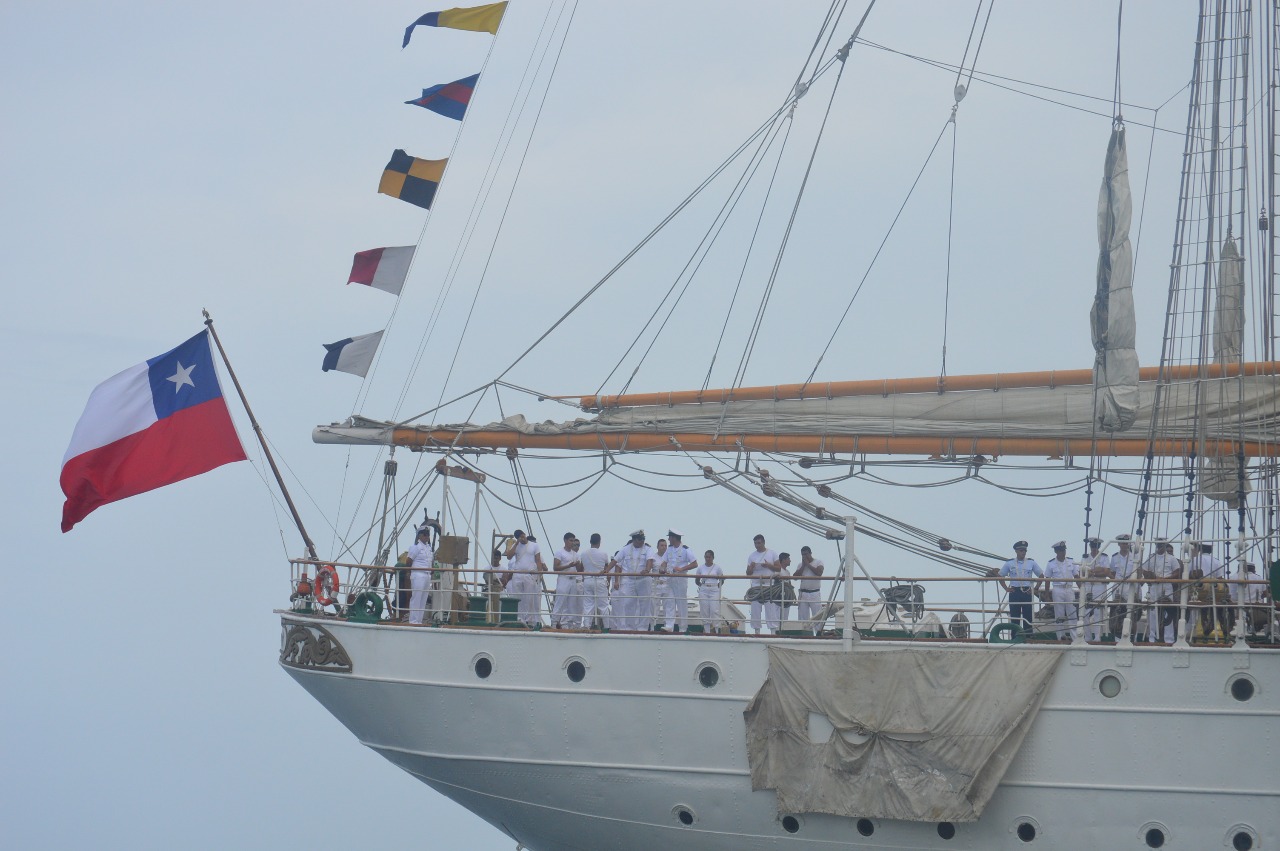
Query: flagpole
[[262, 441]]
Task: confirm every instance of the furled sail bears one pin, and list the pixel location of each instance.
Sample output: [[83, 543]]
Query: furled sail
[[1005, 418], [1221, 478], [1115, 366]]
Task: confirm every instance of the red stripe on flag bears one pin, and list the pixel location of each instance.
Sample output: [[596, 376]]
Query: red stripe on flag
[[192, 441], [365, 266], [456, 91]]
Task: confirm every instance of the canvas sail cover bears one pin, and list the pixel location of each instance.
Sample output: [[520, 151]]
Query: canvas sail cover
[[1232, 407], [1115, 365], [1221, 478], [921, 734]]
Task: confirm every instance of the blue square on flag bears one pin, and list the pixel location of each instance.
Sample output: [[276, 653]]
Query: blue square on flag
[[183, 376]]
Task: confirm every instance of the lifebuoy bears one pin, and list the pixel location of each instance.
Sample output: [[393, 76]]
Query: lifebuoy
[[326, 584]]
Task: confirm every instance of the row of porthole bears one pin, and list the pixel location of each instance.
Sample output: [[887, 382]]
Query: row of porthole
[[707, 673], [1240, 686], [1242, 837]]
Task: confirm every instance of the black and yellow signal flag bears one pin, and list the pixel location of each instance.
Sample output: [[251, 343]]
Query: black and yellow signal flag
[[411, 179]]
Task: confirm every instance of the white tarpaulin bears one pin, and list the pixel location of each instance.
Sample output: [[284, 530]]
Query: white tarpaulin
[[1220, 478], [1115, 365], [917, 734]]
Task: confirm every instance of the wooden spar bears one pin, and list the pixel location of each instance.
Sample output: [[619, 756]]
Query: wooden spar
[[933, 384], [818, 444]]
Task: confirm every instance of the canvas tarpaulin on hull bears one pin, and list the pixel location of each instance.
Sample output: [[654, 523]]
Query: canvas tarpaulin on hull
[[920, 734]]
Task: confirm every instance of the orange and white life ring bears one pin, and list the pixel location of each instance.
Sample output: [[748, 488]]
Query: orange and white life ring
[[326, 584]]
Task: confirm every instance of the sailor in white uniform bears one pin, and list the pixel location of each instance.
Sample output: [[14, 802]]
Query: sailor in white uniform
[[1062, 571], [1018, 577], [595, 584], [421, 557], [709, 578], [660, 602], [524, 558], [635, 566], [680, 561], [809, 597], [1125, 594], [566, 612], [1097, 569], [762, 567], [1162, 615]]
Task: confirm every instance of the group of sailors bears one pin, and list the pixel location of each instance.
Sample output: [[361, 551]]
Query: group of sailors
[[1094, 594], [641, 587]]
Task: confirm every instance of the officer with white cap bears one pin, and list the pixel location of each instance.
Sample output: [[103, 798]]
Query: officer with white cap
[[421, 557], [1125, 595], [1062, 571], [635, 565], [680, 561], [1097, 569], [1019, 576]]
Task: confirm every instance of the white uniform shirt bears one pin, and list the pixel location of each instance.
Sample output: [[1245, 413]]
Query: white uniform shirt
[[1059, 571], [1122, 565], [1209, 566], [808, 570], [523, 559], [660, 568], [1097, 588], [595, 560], [757, 560], [633, 559], [1164, 565], [680, 556], [567, 556], [710, 574], [1253, 594], [421, 555]]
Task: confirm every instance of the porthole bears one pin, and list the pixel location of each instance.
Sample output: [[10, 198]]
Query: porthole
[[576, 670], [1155, 837], [482, 664], [1109, 685], [1026, 831], [791, 824], [1242, 688], [708, 675], [1241, 837], [946, 830], [684, 815], [865, 827]]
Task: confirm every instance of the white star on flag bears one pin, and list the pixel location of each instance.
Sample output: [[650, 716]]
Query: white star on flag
[[182, 376]]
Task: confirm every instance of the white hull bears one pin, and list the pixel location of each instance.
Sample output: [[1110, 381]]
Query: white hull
[[607, 762]]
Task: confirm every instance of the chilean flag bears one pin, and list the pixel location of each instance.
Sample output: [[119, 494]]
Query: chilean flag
[[152, 425]]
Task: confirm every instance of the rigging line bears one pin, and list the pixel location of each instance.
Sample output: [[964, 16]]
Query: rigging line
[[969, 41], [951, 209], [708, 240], [653, 488], [982, 37], [826, 22], [988, 79], [755, 233], [473, 215], [648, 237], [835, 24], [876, 256], [843, 56], [1115, 96], [537, 117]]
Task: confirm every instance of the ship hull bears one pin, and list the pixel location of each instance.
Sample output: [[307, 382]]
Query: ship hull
[[639, 754]]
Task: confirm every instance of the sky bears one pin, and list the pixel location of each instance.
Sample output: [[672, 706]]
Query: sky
[[167, 158]]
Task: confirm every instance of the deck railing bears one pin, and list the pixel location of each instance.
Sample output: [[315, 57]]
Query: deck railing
[[1213, 611]]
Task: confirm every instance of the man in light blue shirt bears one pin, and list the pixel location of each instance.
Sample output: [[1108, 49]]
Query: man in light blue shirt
[[1023, 575]]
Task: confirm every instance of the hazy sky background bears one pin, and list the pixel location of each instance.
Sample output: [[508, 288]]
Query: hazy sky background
[[162, 158]]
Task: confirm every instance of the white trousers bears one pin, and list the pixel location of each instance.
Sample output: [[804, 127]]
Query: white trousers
[[679, 595], [709, 607], [631, 603], [808, 604], [524, 588], [420, 582], [595, 600], [663, 603], [566, 612], [1095, 622], [1065, 611], [772, 615], [442, 600]]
